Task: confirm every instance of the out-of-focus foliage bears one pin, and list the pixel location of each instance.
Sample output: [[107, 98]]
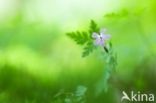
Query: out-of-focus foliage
[[37, 60]]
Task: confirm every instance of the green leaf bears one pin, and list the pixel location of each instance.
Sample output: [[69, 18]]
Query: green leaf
[[121, 14], [93, 27], [79, 37], [85, 38], [87, 49]]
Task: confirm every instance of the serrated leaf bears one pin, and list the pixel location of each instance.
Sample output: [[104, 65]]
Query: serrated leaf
[[87, 49], [85, 38], [121, 14], [79, 37], [93, 27]]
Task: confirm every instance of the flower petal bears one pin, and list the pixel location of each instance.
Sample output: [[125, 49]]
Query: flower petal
[[99, 42], [95, 35], [105, 36]]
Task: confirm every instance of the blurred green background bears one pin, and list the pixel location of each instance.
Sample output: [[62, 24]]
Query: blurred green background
[[37, 59]]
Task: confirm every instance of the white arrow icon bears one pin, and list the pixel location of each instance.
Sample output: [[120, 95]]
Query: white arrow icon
[[125, 96]]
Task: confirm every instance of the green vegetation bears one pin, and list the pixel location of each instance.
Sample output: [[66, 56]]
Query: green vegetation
[[40, 63]]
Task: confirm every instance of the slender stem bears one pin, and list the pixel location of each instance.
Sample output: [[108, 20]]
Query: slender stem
[[106, 49]]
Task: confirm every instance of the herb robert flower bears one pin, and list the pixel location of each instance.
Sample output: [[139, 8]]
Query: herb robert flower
[[100, 38]]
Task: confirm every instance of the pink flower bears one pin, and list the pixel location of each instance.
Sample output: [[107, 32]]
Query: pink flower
[[100, 38]]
